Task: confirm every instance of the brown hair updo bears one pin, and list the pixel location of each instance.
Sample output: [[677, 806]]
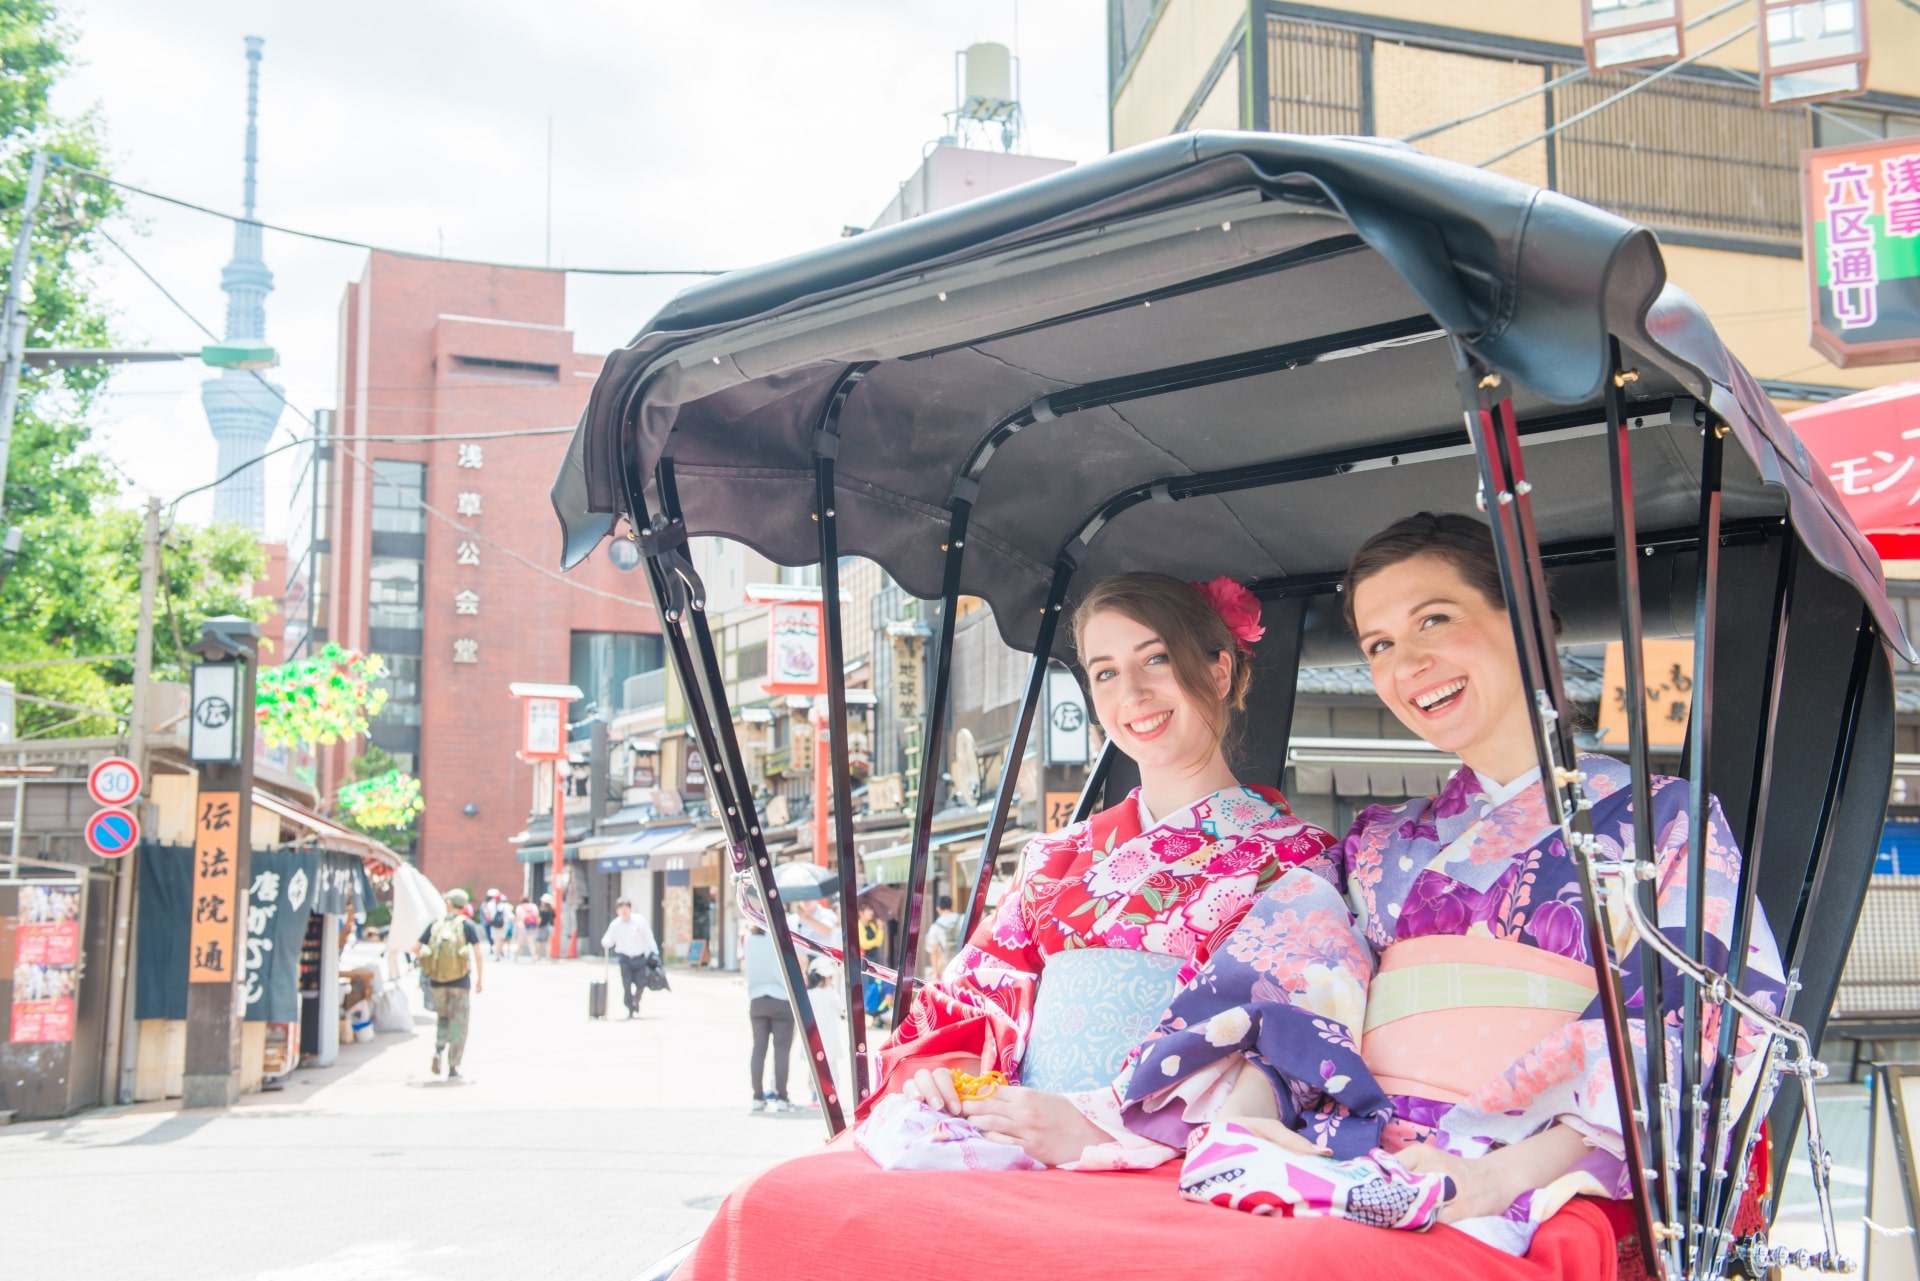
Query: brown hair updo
[[1193, 632]]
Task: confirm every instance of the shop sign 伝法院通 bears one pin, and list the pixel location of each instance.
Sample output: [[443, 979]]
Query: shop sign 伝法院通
[[1863, 250]]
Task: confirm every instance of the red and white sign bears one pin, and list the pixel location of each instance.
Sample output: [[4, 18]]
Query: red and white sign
[[796, 658], [114, 780], [112, 832], [1868, 444]]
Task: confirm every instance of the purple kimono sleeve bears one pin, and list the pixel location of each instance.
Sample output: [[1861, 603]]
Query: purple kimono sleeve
[[1271, 995]]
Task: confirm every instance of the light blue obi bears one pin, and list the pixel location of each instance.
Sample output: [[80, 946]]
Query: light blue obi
[[1093, 1006]]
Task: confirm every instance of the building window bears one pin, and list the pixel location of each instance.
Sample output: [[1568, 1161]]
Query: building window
[[600, 664], [1838, 126], [1689, 152], [1701, 155], [1127, 23], [394, 593], [753, 661], [1316, 78], [398, 490], [402, 683]]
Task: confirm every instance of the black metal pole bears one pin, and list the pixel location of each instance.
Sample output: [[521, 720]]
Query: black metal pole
[[1096, 783], [1507, 494], [1693, 1100], [931, 754], [1626, 543], [681, 612], [1728, 1183], [1017, 747], [826, 448]]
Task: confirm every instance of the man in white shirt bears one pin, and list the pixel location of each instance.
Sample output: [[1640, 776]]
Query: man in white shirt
[[631, 941]]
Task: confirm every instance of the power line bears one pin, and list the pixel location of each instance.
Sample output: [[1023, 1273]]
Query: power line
[[350, 243], [470, 532], [339, 441], [1631, 89]]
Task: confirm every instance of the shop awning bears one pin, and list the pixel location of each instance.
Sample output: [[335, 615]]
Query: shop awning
[[889, 866], [331, 834], [631, 854], [1369, 766], [690, 843]]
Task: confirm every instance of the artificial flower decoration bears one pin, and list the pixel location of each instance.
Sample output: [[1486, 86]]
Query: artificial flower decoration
[[384, 803], [319, 700], [1237, 607]]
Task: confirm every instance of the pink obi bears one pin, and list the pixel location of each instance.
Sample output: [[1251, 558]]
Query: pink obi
[[1447, 1013]]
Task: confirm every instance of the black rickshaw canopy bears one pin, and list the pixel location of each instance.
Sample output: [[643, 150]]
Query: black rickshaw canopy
[[1244, 354]]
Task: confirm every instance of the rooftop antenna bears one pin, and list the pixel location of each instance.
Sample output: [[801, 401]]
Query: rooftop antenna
[[987, 97]]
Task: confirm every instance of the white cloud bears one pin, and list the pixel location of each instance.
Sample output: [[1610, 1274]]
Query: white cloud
[[686, 134]]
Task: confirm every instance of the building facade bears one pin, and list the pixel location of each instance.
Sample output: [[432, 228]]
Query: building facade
[[1693, 155], [458, 387]]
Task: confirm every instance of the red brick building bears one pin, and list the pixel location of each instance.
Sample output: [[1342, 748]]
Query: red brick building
[[435, 549]]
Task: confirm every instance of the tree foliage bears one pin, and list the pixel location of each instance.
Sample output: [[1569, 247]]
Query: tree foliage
[[74, 592], [380, 799]]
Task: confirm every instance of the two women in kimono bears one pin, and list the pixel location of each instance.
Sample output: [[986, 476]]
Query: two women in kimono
[[1423, 986], [1481, 1055]]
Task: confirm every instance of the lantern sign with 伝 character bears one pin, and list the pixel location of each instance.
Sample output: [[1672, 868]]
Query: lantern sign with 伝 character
[[1630, 33], [1812, 50], [1863, 250]]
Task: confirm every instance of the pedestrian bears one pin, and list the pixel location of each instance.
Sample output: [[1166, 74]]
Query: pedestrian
[[496, 918], [449, 952], [830, 1016], [546, 925], [631, 942], [873, 942], [772, 1019], [526, 930], [943, 940]]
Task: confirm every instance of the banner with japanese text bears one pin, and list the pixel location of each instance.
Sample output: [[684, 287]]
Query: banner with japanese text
[[1863, 250], [46, 963], [285, 889], [216, 888], [795, 661], [1667, 668]]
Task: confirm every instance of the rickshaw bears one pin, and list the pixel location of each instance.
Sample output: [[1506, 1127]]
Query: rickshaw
[[1241, 354]]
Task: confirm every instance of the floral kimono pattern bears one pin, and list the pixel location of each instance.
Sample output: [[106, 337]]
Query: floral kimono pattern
[[1178, 888], [1457, 864]]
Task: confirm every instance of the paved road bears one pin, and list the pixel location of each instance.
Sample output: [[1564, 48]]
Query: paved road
[[574, 1149]]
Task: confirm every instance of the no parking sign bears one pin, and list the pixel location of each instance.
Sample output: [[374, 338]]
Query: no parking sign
[[112, 832]]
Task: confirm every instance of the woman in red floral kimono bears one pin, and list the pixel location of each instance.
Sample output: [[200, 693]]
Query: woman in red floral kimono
[[1117, 912]]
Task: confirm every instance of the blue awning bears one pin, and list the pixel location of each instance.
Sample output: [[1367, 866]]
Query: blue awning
[[1899, 847], [632, 853]]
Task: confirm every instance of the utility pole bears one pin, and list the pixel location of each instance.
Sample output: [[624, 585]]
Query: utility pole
[[220, 742], [13, 313], [115, 1076]]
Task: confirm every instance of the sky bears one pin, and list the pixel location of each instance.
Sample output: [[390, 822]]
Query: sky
[[685, 134]]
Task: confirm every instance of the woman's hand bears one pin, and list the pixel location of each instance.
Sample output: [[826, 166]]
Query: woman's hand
[[1045, 1125], [934, 1087], [1479, 1186]]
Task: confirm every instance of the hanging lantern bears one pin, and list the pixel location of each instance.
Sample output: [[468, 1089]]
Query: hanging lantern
[[1630, 33], [1811, 50]]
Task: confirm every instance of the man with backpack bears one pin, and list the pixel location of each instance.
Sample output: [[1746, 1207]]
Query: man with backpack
[[450, 957]]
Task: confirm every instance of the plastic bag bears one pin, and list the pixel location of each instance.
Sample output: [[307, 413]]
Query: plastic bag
[[905, 1134], [390, 1010], [1232, 1167]]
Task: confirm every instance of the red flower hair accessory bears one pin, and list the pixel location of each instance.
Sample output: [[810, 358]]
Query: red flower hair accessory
[[1238, 608]]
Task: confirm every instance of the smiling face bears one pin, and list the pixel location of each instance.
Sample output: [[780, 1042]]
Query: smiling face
[[1139, 698], [1442, 659]]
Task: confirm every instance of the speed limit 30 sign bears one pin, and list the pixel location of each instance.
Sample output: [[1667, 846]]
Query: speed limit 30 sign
[[113, 780]]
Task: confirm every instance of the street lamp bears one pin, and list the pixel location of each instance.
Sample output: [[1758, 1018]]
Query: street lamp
[[543, 737], [1811, 50], [1630, 33]]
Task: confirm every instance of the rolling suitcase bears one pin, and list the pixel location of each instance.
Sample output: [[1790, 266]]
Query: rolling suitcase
[[597, 997]]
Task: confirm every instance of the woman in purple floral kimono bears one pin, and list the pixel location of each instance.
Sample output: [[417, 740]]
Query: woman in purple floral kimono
[[1473, 1048]]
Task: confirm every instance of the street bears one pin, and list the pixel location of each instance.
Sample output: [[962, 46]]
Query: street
[[570, 1149]]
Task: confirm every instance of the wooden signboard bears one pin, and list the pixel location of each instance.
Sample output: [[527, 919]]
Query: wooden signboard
[[1667, 666], [216, 889]]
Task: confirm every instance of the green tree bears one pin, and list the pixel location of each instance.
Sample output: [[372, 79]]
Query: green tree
[[74, 592], [376, 772]]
